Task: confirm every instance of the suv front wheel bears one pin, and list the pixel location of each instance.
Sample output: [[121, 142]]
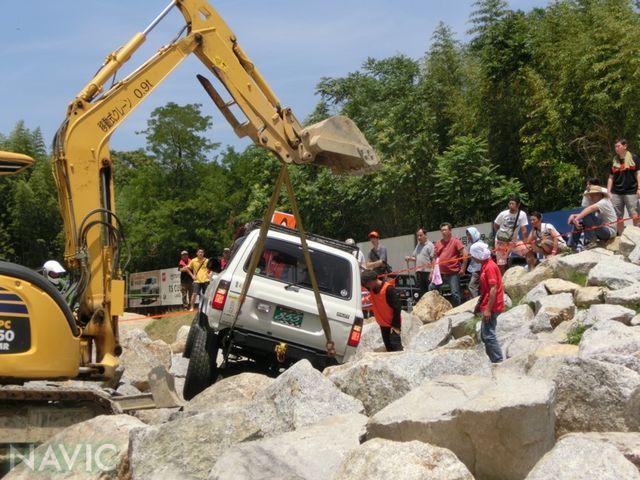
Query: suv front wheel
[[202, 369]]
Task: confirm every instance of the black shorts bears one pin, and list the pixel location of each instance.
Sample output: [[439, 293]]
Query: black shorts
[[200, 288]]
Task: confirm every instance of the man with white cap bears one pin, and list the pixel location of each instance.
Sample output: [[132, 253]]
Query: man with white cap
[[358, 254], [491, 301], [55, 273], [598, 220]]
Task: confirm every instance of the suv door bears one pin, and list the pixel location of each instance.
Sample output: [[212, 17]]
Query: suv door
[[281, 304]]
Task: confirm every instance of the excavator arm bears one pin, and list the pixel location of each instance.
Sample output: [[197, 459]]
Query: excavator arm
[[84, 171]]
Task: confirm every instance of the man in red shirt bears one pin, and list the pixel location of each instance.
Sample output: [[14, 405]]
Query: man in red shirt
[[449, 252], [491, 302], [385, 304]]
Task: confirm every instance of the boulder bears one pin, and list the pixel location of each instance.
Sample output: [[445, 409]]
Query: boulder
[[431, 336], [514, 324], [140, 355], [521, 346], [508, 303], [615, 313], [189, 446], [498, 427], [632, 362], [628, 443], [237, 388], [179, 365], [88, 450], [581, 263], [578, 458], [552, 311], [127, 389], [517, 282], [312, 452], [613, 245], [377, 379], [587, 296], [614, 274], [431, 307], [462, 343], [156, 416], [608, 336], [625, 296], [181, 339], [635, 321], [409, 461], [303, 396], [468, 306], [591, 395], [556, 285], [371, 340], [634, 256], [536, 293], [629, 239]]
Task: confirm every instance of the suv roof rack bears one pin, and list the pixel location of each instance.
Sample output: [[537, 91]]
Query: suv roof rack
[[310, 236]]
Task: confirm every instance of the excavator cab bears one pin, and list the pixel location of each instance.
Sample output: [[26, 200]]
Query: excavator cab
[[11, 163]]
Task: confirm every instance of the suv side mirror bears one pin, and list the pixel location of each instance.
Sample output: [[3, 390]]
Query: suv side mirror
[[11, 163]]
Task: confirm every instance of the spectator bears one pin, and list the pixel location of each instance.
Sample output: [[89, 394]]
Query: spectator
[[508, 225], [449, 251], [423, 256], [238, 238], [491, 301], [186, 280], [624, 184], [358, 254], [199, 274], [473, 269], [595, 221], [586, 201], [226, 255], [386, 309], [543, 239], [378, 259]]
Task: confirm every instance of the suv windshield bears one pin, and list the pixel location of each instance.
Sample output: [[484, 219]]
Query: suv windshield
[[284, 262]]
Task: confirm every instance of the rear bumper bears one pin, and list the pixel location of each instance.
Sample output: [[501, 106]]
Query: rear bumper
[[253, 344]]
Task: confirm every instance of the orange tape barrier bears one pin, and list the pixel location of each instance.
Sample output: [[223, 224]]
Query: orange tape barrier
[[160, 315]]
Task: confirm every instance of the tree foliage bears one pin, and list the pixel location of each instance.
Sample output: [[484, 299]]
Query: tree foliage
[[531, 104]]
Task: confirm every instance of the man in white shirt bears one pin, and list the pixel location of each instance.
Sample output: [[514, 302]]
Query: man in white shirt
[[423, 256], [598, 220], [508, 225], [358, 254]]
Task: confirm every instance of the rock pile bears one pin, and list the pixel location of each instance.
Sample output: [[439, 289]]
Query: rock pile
[[564, 404]]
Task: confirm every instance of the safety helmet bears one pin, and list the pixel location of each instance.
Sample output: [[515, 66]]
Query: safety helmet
[[53, 271]]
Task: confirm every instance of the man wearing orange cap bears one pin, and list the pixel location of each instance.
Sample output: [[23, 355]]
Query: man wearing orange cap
[[378, 255]]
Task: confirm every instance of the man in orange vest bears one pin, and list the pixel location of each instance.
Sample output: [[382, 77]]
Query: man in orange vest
[[385, 304]]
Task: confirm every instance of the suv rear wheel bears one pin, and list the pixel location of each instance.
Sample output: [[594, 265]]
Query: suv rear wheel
[[202, 369], [195, 326]]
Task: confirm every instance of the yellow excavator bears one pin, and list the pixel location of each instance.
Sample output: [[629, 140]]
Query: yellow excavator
[[41, 336]]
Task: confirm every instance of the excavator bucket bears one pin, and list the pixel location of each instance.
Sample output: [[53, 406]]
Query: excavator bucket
[[337, 143], [13, 162]]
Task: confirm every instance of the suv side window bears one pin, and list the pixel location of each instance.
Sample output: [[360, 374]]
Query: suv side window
[[283, 261]]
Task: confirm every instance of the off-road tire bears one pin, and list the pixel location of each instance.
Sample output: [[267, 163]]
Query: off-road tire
[[195, 326], [203, 369]]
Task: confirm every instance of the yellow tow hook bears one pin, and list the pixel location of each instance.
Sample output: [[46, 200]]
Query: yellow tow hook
[[281, 351]]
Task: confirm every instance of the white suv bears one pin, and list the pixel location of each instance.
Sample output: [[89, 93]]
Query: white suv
[[280, 311]]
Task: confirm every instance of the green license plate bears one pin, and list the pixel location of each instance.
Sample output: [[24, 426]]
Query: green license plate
[[287, 316]]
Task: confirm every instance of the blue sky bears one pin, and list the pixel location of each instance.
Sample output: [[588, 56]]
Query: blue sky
[[50, 49]]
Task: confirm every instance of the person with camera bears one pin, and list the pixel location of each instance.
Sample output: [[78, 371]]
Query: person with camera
[[510, 227], [378, 257], [449, 252]]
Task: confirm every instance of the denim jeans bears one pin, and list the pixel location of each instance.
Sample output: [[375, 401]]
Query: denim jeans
[[590, 234], [453, 280], [488, 334]]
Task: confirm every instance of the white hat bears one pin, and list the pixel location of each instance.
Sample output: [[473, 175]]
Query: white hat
[[480, 251], [53, 271], [350, 241]]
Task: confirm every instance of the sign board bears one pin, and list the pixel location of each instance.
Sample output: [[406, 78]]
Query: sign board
[[155, 288], [284, 219]]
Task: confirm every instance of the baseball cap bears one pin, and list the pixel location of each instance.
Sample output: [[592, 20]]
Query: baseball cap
[[184, 252], [373, 233]]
